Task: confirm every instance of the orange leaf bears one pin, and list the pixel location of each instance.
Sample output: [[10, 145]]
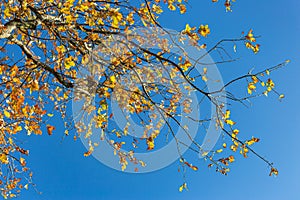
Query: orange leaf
[[191, 166], [273, 171], [88, 153], [22, 151], [50, 129]]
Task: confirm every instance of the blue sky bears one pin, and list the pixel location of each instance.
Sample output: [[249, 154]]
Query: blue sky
[[61, 172]]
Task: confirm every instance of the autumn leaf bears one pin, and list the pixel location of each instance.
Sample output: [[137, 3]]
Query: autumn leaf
[[228, 6], [252, 141], [183, 186], [3, 158], [23, 162], [171, 7], [7, 12], [250, 36], [22, 151], [187, 29], [281, 96], [235, 131], [88, 153], [219, 150], [251, 87], [227, 114], [6, 113], [195, 168], [150, 143], [230, 122], [231, 159], [204, 30], [182, 8], [69, 62], [157, 9], [233, 148], [273, 171], [204, 78], [61, 49], [50, 129]]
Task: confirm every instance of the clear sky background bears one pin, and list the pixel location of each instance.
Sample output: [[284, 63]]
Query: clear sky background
[[61, 172]]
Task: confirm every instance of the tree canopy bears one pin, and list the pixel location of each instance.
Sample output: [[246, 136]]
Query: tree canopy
[[98, 53]]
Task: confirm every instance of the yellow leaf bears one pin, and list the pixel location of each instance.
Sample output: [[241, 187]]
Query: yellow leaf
[[6, 113], [150, 143], [123, 167], [251, 87], [194, 168], [205, 153], [204, 30], [254, 79], [66, 96], [4, 195], [230, 122], [180, 188], [187, 29], [113, 79], [3, 158], [116, 18], [157, 9], [281, 96], [10, 141], [233, 148], [183, 186], [83, 7], [250, 36], [143, 164], [186, 65], [252, 141], [219, 151], [69, 62], [7, 13], [61, 49], [249, 143], [171, 7], [50, 115], [19, 128], [227, 114]]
